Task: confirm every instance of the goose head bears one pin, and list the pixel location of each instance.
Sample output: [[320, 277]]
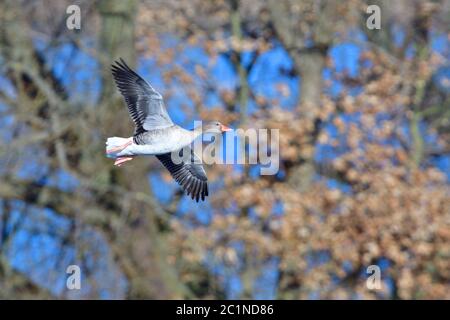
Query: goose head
[[215, 127]]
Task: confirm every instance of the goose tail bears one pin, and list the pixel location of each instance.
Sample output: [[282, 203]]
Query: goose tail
[[114, 145]]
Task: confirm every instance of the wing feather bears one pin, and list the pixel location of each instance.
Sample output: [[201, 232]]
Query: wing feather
[[145, 104], [189, 174]]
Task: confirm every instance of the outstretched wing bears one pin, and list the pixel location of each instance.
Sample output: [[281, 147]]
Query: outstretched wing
[[145, 104], [189, 174]]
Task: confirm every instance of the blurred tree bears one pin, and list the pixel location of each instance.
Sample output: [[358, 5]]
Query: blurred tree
[[359, 179], [137, 246]]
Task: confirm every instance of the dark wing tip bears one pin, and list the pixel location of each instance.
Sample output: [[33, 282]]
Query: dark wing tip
[[194, 185], [124, 63], [197, 190], [117, 64], [121, 65]]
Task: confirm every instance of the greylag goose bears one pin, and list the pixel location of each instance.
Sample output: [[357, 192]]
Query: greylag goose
[[156, 134]]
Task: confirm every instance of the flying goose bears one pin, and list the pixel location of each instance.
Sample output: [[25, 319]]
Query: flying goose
[[156, 134]]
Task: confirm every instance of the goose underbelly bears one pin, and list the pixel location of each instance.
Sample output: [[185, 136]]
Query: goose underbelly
[[162, 147]]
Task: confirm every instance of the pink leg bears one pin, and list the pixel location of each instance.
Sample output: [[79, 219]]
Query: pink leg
[[121, 147], [121, 160]]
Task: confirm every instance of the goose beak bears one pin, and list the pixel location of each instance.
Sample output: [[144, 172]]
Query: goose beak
[[224, 128]]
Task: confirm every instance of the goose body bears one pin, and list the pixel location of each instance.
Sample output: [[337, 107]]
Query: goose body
[[158, 141], [156, 135]]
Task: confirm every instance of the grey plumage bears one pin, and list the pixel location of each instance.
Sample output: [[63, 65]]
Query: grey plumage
[[153, 126], [189, 174], [145, 104]]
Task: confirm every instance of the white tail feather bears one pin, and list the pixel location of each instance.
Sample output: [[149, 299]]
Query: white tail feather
[[113, 145]]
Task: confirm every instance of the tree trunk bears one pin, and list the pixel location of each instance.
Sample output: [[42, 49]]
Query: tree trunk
[[139, 247], [309, 62]]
